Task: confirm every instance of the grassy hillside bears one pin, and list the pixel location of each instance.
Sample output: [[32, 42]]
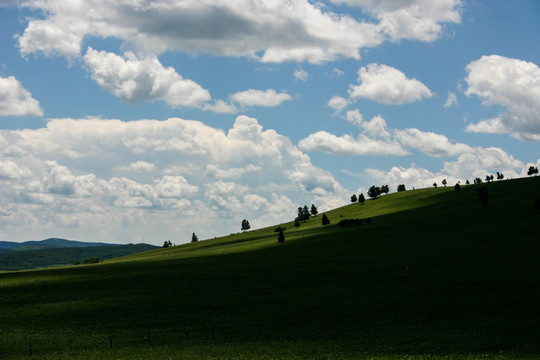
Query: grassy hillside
[[434, 275], [34, 256]]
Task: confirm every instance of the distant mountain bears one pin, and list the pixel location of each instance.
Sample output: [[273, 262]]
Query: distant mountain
[[51, 243], [22, 258]]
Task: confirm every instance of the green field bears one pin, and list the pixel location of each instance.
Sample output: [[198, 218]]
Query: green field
[[434, 275]]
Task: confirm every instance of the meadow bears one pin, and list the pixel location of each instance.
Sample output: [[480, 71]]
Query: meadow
[[434, 275]]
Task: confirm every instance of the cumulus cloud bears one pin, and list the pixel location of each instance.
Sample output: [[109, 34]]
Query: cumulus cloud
[[15, 100], [373, 140], [412, 19], [267, 98], [451, 100], [140, 79], [162, 177], [338, 103], [301, 75], [513, 84], [387, 85], [432, 144], [298, 30]]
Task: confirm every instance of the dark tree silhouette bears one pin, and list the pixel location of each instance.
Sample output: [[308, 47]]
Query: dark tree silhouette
[[167, 244], [361, 199], [483, 193], [314, 210], [477, 180], [532, 170], [385, 189], [374, 192], [194, 238], [325, 220], [354, 198], [281, 237], [500, 176], [434, 184], [245, 225], [401, 187], [457, 187], [444, 182]]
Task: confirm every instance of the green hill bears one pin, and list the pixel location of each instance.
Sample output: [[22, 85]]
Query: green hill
[[32, 256], [434, 275]]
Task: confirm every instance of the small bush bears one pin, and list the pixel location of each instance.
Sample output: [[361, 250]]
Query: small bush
[[92, 260]]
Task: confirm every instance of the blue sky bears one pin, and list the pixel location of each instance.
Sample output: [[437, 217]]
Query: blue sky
[[128, 119]]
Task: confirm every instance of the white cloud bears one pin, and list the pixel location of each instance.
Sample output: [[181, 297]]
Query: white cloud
[[221, 107], [430, 143], [162, 177], [301, 75], [338, 103], [139, 166], [513, 84], [451, 100], [387, 85], [141, 79], [15, 100], [411, 19], [297, 30], [347, 145], [267, 98]]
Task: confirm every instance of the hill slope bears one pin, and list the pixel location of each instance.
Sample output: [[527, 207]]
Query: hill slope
[[32, 256], [434, 273]]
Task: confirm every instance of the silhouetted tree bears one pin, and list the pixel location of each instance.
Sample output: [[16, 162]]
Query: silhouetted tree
[[489, 178], [500, 176], [374, 192], [532, 170], [401, 187], [245, 225], [444, 182], [434, 184], [361, 199], [305, 212], [281, 237], [167, 244], [314, 210], [385, 189], [483, 193], [194, 238], [325, 220], [467, 182], [477, 180], [457, 187], [354, 198]]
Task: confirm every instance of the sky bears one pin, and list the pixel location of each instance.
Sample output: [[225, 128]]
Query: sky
[[125, 121]]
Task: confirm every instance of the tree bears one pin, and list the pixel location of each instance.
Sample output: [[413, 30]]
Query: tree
[[194, 238], [354, 198], [167, 244], [385, 189], [361, 199], [489, 178], [532, 170], [296, 222], [444, 182], [500, 176], [457, 187], [374, 192], [314, 210], [245, 225], [467, 182], [434, 184], [483, 193], [325, 220], [477, 180], [281, 237], [305, 213], [401, 187]]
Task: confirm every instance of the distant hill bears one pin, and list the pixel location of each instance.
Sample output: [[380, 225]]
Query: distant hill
[[56, 252], [50, 243]]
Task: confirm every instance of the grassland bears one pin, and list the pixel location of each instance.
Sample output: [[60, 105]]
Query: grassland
[[435, 275]]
